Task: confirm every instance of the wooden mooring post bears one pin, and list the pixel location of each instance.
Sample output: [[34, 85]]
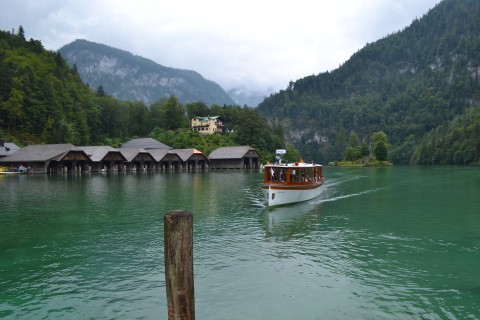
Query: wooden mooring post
[[178, 242]]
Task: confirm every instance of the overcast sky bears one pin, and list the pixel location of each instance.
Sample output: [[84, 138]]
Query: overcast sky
[[257, 44]]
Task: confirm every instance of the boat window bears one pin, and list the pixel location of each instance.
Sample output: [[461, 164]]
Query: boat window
[[311, 175], [277, 174], [268, 174], [293, 175]]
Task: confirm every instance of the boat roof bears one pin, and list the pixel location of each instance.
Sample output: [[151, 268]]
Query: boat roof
[[293, 165]]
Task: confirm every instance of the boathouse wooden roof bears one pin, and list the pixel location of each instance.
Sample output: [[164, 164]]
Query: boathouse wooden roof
[[164, 155], [135, 154], [237, 152], [186, 154], [99, 153], [7, 148], [42, 153], [145, 143], [234, 158], [158, 154]]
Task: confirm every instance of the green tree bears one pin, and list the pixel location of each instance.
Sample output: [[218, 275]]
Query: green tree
[[14, 107], [354, 141], [21, 32], [100, 91], [380, 146], [364, 150], [292, 154], [253, 130], [197, 109], [173, 114], [139, 121], [185, 139], [249, 129], [350, 154], [380, 150], [340, 143], [64, 132]]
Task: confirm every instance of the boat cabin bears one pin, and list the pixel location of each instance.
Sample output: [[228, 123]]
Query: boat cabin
[[293, 173]]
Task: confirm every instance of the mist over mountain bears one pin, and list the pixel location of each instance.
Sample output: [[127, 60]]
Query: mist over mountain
[[130, 77], [243, 96]]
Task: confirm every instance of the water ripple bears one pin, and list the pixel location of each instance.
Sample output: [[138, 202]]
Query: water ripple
[[92, 247]]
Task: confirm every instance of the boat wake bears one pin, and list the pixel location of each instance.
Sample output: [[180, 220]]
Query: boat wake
[[336, 182], [347, 196], [255, 197]]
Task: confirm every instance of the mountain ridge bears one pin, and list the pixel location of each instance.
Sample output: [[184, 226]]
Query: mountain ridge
[[131, 77], [405, 84]]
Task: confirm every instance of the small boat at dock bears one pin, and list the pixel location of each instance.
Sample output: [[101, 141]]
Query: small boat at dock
[[291, 182], [20, 169]]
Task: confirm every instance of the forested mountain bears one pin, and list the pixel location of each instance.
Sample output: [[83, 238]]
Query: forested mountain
[[420, 86], [44, 100], [130, 77]]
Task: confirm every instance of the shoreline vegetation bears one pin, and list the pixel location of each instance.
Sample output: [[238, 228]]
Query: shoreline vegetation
[[361, 163]]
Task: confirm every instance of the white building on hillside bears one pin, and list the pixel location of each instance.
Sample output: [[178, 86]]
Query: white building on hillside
[[207, 125]]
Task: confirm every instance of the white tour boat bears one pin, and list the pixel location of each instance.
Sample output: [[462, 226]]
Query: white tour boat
[[291, 182]]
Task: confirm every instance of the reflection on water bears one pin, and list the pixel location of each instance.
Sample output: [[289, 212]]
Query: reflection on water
[[287, 221], [371, 246]]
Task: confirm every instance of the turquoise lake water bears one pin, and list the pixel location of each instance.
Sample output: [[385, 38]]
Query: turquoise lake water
[[379, 243]]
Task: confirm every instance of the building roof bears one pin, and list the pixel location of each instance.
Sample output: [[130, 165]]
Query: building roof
[[230, 152], [159, 154], [145, 143], [97, 153], [185, 154], [130, 153], [207, 118], [41, 153], [8, 148]]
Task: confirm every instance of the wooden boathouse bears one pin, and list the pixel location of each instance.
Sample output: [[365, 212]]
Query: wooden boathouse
[[138, 159], [166, 159], [192, 159], [48, 158], [52, 158], [241, 157], [105, 158]]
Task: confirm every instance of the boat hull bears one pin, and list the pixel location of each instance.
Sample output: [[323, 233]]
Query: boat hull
[[279, 195]]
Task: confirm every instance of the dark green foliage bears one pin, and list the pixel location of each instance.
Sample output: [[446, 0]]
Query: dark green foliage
[[292, 155], [197, 109], [409, 84], [100, 91], [380, 151], [43, 100], [380, 146], [173, 114], [455, 142], [356, 149]]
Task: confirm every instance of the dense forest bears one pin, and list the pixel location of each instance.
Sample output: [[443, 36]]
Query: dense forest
[[419, 89], [420, 86], [43, 100]]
